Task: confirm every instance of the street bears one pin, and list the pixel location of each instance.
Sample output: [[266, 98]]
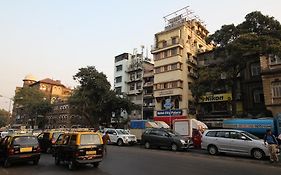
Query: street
[[139, 161]]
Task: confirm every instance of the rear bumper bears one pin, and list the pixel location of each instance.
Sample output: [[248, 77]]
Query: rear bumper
[[24, 157], [89, 159]]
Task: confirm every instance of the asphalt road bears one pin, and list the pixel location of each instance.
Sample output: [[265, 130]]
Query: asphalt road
[[139, 161]]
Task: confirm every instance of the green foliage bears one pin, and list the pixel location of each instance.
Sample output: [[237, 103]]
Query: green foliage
[[257, 35], [4, 117], [32, 102], [93, 98]]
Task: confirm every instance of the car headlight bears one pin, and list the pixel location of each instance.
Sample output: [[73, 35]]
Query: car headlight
[[182, 142], [125, 137]]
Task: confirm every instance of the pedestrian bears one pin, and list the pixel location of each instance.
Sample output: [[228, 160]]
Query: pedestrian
[[105, 139], [271, 140]]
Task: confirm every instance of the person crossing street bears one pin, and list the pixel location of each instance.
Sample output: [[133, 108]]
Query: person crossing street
[[271, 140]]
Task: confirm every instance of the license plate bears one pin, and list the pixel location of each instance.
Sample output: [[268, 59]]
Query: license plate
[[91, 152], [28, 149]]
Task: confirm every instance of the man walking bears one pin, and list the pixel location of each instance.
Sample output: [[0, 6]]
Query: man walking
[[271, 140], [105, 139]]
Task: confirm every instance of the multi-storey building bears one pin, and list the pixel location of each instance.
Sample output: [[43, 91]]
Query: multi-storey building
[[148, 98], [271, 79], [62, 117], [129, 81], [54, 90], [175, 64]]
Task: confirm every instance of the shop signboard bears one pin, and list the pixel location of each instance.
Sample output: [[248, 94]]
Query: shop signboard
[[215, 98]]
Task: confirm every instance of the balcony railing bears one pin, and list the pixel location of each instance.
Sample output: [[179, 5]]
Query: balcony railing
[[147, 84], [167, 44], [191, 61]]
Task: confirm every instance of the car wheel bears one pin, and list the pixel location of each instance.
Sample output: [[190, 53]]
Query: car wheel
[[7, 163], [120, 142], [174, 147], [96, 164], [258, 154], [57, 160], [213, 150], [147, 145], [71, 165], [35, 162]]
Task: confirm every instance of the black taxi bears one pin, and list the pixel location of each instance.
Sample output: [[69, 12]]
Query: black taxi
[[74, 148], [18, 148]]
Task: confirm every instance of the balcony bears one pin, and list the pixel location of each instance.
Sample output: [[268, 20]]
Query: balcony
[[134, 67], [148, 84], [191, 61], [133, 79], [147, 95], [168, 92], [160, 46]]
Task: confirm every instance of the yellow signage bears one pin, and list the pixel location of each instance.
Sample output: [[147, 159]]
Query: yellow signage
[[215, 98]]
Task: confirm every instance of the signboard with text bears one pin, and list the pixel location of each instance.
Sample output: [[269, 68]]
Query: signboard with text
[[215, 98], [172, 112]]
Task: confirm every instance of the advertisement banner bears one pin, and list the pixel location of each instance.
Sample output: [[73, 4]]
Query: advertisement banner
[[215, 98]]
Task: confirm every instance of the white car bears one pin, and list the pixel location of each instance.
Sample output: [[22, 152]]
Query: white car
[[120, 136], [233, 141]]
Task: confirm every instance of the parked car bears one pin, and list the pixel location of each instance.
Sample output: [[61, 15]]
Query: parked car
[[18, 148], [120, 136], [159, 137], [47, 139], [233, 141], [75, 148]]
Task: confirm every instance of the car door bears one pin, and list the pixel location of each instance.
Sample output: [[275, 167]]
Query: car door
[[239, 143], [222, 141], [112, 135], [153, 138], [164, 139]]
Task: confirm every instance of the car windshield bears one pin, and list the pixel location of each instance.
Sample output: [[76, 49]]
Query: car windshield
[[251, 136], [90, 139], [173, 133], [25, 140], [121, 131]]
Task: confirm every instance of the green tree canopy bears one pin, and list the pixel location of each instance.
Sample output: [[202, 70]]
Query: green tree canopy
[[32, 102], [93, 98], [257, 35]]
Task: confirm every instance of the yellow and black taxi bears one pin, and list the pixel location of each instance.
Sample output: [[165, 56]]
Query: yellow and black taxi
[[74, 148], [47, 139], [19, 148]]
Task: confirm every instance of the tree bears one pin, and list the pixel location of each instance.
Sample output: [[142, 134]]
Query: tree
[[32, 103], [93, 98], [4, 117], [257, 35]]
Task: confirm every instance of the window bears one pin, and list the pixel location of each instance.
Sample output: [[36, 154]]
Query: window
[[165, 53], [255, 69], [88, 139], [118, 79], [118, 90], [139, 85], [174, 66], [119, 68], [158, 70], [165, 68], [174, 84], [174, 51], [132, 87], [25, 140], [174, 40], [274, 59], [258, 96], [139, 75], [157, 56], [73, 140], [164, 43], [211, 134], [165, 85], [276, 89], [223, 134]]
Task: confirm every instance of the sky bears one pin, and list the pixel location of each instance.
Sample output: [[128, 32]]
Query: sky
[[54, 38]]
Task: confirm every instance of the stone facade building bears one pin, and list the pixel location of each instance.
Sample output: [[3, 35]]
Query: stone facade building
[[271, 80]]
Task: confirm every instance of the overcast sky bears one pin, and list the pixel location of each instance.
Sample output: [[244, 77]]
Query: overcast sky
[[53, 38]]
